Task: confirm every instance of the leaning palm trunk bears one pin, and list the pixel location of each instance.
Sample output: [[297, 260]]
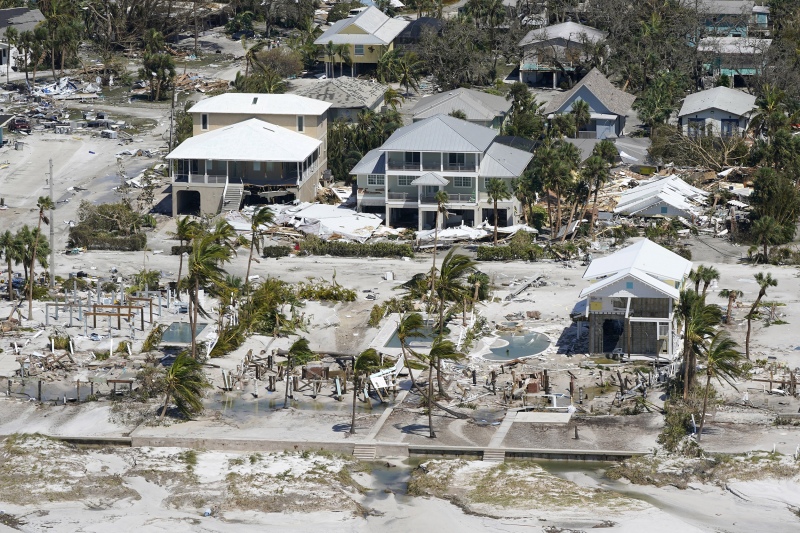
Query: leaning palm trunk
[[686, 365], [430, 399], [569, 223], [166, 403], [705, 403], [355, 399]]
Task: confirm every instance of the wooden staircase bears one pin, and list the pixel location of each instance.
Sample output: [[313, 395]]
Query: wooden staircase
[[364, 452]]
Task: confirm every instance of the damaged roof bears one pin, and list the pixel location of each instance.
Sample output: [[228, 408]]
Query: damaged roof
[[671, 190], [569, 31], [345, 92]]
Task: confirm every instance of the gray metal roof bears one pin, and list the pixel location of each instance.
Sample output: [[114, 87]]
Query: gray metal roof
[[431, 178], [722, 98], [569, 31], [380, 29], [372, 163], [345, 92], [20, 18], [726, 7], [441, 133], [502, 161], [615, 100], [477, 105], [260, 104]]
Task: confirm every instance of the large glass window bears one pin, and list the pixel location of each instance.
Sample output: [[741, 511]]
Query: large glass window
[[359, 49], [696, 127], [462, 181], [375, 179], [405, 181]]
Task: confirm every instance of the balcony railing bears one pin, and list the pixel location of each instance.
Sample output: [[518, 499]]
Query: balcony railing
[[403, 165], [203, 179], [402, 196], [451, 198], [460, 167]]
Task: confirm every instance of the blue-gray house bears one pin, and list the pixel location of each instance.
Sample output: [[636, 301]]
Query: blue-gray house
[[609, 107]]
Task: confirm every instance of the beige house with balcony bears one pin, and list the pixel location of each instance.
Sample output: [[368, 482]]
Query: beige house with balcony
[[401, 178], [267, 145], [368, 35]]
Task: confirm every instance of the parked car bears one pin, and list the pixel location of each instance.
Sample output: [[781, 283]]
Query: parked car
[[19, 124]]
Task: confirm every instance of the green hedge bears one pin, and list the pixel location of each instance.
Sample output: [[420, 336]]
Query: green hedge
[[534, 252], [178, 250], [105, 241], [276, 251], [313, 245]]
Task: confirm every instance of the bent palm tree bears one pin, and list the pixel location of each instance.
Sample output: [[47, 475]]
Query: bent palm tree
[[441, 198], [440, 349], [44, 203], [731, 295], [262, 217], [708, 275], [764, 281], [366, 363], [185, 230], [185, 382], [698, 321], [722, 362], [10, 248]]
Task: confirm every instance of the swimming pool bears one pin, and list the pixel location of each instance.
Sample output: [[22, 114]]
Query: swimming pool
[[510, 346]]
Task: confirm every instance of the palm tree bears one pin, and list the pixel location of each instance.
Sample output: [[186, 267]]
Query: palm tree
[[260, 218], [408, 70], [708, 275], [224, 234], [393, 98], [204, 268], [185, 231], [441, 207], [251, 55], [441, 349], [366, 363], [330, 52], [12, 36], [44, 203], [581, 113], [731, 295], [185, 381], [698, 320], [343, 52], [770, 113], [595, 171], [765, 281], [579, 193], [722, 362], [10, 248], [497, 190], [410, 325], [766, 231]]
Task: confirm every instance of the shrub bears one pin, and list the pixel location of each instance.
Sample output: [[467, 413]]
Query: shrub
[[324, 291], [108, 227], [275, 251], [178, 250], [313, 245]]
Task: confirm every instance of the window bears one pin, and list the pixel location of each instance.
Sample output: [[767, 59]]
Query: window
[[405, 181], [664, 209], [456, 160], [203, 121], [375, 179], [730, 127], [696, 127], [256, 166], [300, 124], [629, 285], [359, 49], [411, 158], [209, 165], [462, 181]]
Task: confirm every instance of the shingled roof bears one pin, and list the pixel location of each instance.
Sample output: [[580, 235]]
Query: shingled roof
[[617, 101], [345, 92]]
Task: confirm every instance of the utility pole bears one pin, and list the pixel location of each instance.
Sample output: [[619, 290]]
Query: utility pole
[[52, 233], [172, 116]]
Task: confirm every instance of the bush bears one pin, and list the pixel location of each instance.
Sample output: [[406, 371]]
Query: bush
[[108, 227], [313, 245], [178, 250], [324, 291], [275, 251], [521, 247]]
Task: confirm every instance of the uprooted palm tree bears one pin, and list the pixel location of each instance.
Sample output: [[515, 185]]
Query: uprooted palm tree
[[365, 364], [441, 349], [185, 382], [722, 363], [765, 281], [261, 217]]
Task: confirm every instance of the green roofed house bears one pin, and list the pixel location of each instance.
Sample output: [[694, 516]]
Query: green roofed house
[[401, 178]]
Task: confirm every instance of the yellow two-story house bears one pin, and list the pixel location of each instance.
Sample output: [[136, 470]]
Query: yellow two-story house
[[368, 35]]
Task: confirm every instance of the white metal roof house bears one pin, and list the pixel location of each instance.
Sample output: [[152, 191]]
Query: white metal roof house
[[736, 57], [369, 35], [401, 178], [668, 196], [609, 106], [479, 107], [718, 111], [629, 304], [212, 172], [548, 52]]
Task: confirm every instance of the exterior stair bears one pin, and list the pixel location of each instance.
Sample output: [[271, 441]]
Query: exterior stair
[[233, 197], [364, 452], [494, 456]]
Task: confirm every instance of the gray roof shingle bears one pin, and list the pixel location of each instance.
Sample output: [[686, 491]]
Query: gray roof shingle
[[345, 92], [477, 105], [617, 101]]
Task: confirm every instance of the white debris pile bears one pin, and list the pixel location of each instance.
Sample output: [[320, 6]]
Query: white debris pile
[[667, 196], [322, 220]]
